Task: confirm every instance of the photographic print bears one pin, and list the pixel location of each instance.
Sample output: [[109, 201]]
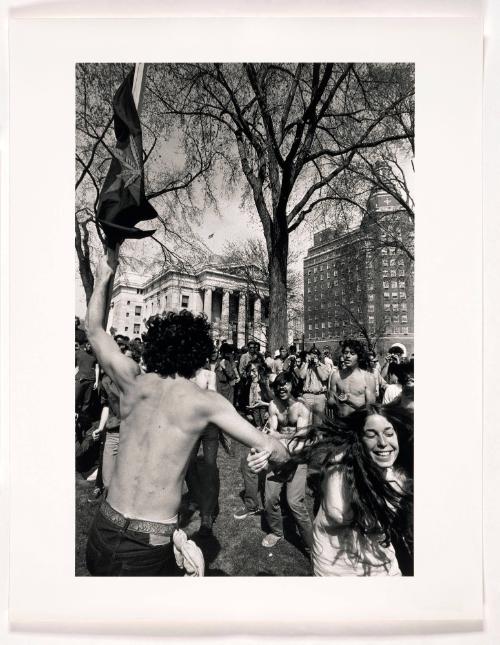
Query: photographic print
[[244, 319]]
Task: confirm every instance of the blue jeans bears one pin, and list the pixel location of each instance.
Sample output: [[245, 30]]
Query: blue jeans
[[115, 551], [295, 496]]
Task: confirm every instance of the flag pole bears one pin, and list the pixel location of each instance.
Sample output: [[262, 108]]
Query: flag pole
[[137, 93]]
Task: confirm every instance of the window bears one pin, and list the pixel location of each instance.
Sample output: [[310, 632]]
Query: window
[[387, 306], [395, 307], [323, 325], [404, 330], [387, 319], [128, 302], [392, 250], [394, 284], [185, 302], [395, 318], [397, 329], [371, 296], [404, 318], [401, 284], [386, 284], [127, 315], [371, 319], [126, 328], [137, 328], [401, 261], [385, 262], [385, 273], [393, 273], [316, 326], [310, 326], [387, 294], [392, 262], [371, 308], [402, 295], [394, 296], [138, 311], [384, 251], [403, 306], [401, 271], [329, 324]]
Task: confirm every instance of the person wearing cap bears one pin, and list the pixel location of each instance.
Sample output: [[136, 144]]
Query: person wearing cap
[[314, 375]]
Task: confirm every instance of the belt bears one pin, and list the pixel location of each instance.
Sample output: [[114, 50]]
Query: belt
[[141, 526], [309, 392]]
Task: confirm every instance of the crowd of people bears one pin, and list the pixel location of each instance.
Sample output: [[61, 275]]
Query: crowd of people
[[334, 425]]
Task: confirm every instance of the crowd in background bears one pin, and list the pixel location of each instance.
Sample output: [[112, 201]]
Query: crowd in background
[[278, 392]]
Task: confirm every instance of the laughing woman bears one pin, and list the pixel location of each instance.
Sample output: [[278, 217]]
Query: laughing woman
[[366, 506]]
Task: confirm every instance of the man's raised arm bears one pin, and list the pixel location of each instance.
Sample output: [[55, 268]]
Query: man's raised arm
[[223, 415], [120, 369]]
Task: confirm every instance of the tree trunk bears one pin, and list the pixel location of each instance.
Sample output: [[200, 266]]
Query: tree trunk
[[278, 322], [83, 254]]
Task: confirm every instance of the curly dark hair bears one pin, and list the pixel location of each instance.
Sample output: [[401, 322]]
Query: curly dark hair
[[378, 507], [359, 348], [176, 343]]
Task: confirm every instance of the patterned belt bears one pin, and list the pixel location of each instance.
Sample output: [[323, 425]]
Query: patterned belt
[[141, 526]]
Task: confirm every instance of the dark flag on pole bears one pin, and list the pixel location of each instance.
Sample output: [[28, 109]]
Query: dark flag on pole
[[122, 203]]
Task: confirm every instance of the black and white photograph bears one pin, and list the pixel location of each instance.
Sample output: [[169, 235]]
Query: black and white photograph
[[244, 319]]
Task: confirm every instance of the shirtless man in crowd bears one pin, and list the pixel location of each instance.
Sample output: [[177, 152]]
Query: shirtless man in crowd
[[351, 387], [163, 414], [287, 417]]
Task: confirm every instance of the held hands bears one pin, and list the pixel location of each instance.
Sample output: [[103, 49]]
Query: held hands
[[258, 460]]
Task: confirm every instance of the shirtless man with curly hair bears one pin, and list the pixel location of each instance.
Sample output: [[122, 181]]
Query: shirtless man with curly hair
[[163, 414]]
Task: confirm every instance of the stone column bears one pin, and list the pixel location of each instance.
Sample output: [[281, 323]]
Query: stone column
[[257, 319], [224, 317], [242, 310], [207, 304]]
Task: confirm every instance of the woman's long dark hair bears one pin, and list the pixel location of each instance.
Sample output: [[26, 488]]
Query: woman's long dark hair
[[378, 506]]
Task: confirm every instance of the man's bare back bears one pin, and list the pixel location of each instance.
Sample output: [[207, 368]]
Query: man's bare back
[[162, 416]]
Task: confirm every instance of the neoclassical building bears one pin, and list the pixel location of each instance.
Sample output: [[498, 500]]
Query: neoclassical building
[[234, 301]]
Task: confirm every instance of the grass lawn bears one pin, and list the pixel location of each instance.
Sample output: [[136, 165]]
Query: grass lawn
[[235, 547]]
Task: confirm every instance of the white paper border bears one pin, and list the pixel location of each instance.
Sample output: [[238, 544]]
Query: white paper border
[[449, 480]]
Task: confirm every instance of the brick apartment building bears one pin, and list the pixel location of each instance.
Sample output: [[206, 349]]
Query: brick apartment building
[[362, 279]]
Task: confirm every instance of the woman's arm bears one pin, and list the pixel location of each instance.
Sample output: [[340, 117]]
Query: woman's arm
[[336, 497]]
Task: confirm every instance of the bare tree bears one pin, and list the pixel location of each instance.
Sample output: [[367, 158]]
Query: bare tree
[[358, 321], [293, 129], [170, 179]]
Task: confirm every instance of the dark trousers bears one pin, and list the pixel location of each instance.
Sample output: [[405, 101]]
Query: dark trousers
[[251, 497], [114, 551], [203, 480], [83, 396]]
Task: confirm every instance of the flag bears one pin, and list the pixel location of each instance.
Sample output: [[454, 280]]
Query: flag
[[122, 202]]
